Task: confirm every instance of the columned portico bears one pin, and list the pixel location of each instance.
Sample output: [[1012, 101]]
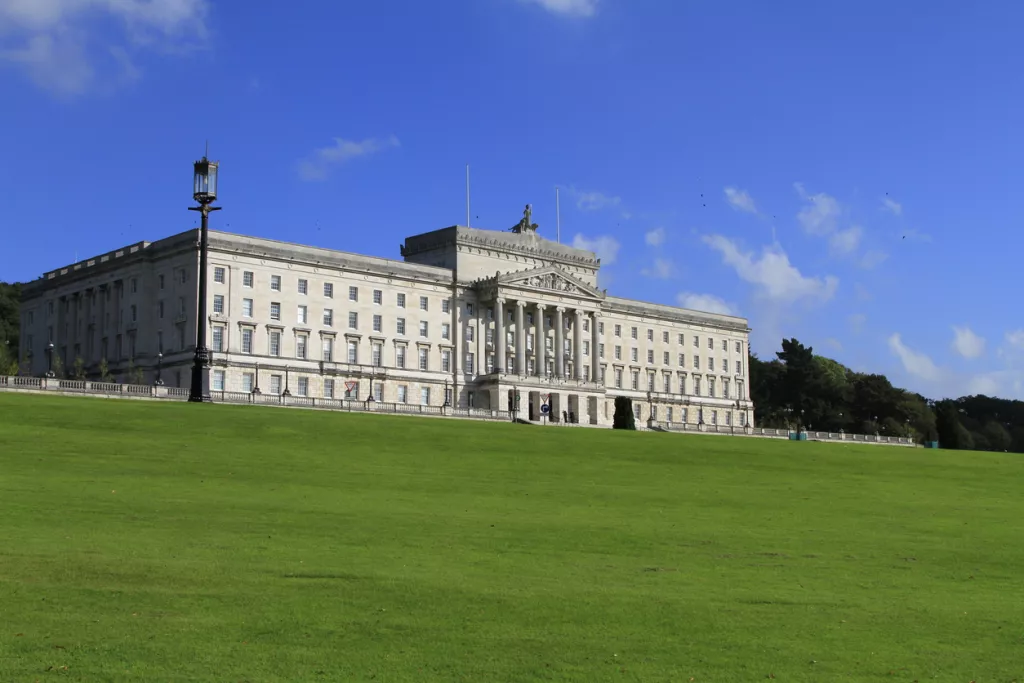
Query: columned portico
[[595, 345], [577, 346], [520, 338], [539, 347], [559, 342], [499, 334]]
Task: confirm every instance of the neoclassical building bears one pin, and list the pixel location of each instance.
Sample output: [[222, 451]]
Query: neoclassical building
[[469, 317]]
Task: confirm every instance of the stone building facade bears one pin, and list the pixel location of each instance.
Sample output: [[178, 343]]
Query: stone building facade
[[470, 317]]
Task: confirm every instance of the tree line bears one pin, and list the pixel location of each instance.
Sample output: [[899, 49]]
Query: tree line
[[798, 389]]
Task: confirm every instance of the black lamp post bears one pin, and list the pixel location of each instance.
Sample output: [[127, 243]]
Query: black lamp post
[[204, 191], [287, 391], [447, 403], [49, 359], [159, 369], [256, 389]]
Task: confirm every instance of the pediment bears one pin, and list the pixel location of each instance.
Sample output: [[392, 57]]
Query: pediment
[[551, 279]]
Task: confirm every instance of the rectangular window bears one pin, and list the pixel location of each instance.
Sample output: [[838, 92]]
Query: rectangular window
[[328, 317], [604, 370], [218, 380], [353, 352], [650, 356], [696, 342], [634, 355], [739, 347], [247, 381], [329, 290], [489, 336], [423, 303], [714, 417], [247, 279], [469, 309], [328, 388], [275, 283], [423, 328], [696, 385], [423, 359], [681, 338], [400, 356], [425, 396], [160, 309], [275, 384], [378, 323], [667, 388], [618, 330], [668, 414], [711, 343], [725, 345], [378, 297], [446, 360], [711, 387], [352, 393], [446, 305], [650, 334], [665, 358], [742, 419], [633, 332], [618, 378], [161, 285], [739, 368], [400, 326], [135, 315], [446, 331], [376, 355], [618, 353], [378, 392], [218, 304], [586, 347], [301, 342], [328, 349], [400, 300], [275, 310], [275, 343], [664, 337], [303, 286], [403, 393], [650, 381], [696, 362], [247, 340], [600, 350], [303, 386], [490, 363], [353, 320], [218, 338], [218, 275], [247, 308], [635, 380], [353, 294], [711, 363], [725, 388], [470, 366], [469, 333], [682, 360], [302, 315]]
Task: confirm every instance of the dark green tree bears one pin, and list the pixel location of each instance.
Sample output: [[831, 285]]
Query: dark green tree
[[624, 417], [10, 317]]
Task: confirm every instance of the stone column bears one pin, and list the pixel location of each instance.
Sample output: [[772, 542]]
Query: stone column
[[577, 345], [539, 360], [499, 335], [559, 343], [595, 345], [520, 338]]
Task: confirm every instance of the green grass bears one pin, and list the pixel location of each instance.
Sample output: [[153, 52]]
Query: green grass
[[171, 542]]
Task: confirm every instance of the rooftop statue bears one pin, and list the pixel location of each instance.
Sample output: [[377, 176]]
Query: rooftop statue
[[526, 224]]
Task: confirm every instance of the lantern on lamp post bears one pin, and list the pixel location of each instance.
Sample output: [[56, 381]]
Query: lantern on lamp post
[[204, 191]]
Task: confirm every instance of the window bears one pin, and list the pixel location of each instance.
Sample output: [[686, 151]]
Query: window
[[400, 300], [181, 305], [633, 332], [353, 294], [400, 356], [218, 380], [742, 419], [378, 323], [470, 362], [586, 347], [665, 358], [378, 297], [469, 333], [425, 396], [469, 308], [328, 349], [328, 388], [303, 286], [739, 368], [618, 353], [303, 384], [247, 279], [711, 387], [668, 384], [634, 355], [725, 388], [600, 328], [489, 337], [135, 313], [711, 343], [618, 330], [353, 351], [446, 331], [352, 393], [650, 356], [490, 364], [328, 317], [696, 342], [218, 304], [423, 358], [681, 339], [329, 290], [664, 337], [378, 391], [696, 385], [400, 326], [247, 340], [650, 334], [160, 309], [714, 417], [725, 345], [218, 338], [682, 360], [247, 382], [711, 363], [275, 343], [377, 355], [184, 278], [446, 305], [600, 350], [218, 275], [161, 287], [275, 283], [275, 384], [739, 349], [301, 343], [696, 362], [618, 378], [423, 303], [423, 328], [353, 320], [247, 308], [634, 380], [668, 414], [446, 360], [650, 381], [275, 310], [403, 394]]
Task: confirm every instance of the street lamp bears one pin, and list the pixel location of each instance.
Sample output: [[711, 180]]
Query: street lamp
[[447, 401], [49, 359], [204, 191], [159, 368]]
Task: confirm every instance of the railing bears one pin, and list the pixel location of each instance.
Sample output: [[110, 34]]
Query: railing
[[784, 433]]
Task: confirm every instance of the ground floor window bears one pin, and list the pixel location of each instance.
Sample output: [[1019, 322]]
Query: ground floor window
[[378, 391], [403, 394], [303, 389], [328, 388], [247, 381], [425, 396], [352, 393], [668, 414], [275, 384], [743, 419], [218, 380]]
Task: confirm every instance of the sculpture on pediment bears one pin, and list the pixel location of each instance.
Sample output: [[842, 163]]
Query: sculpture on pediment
[[526, 224]]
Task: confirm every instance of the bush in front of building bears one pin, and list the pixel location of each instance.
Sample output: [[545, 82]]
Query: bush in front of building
[[624, 418]]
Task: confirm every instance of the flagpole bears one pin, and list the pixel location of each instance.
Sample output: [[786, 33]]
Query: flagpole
[[467, 195], [558, 219]]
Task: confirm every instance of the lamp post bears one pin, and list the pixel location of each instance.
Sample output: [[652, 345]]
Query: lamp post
[[49, 359], [256, 377], [159, 369], [287, 390], [650, 411], [204, 191], [447, 402]]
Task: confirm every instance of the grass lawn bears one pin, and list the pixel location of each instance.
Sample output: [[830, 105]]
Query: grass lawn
[[145, 541]]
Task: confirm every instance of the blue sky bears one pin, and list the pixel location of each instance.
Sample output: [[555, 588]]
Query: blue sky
[[846, 173]]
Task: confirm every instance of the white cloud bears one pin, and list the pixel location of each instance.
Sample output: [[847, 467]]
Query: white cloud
[[662, 269], [605, 246], [656, 237], [967, 343], [821, 215], [857, 321], [317, 166], [986, 384], [1015, 339], [915, 363], [51, 42], [740, 200], [709, 303], [846, 241], [572, 8], [872, 258], [833, 343], [892, 206], [592, 201], [772, 274]]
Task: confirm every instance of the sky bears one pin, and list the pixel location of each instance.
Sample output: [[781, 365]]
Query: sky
[[848, 174]]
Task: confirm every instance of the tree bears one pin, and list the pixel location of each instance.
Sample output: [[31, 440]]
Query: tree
[[624, 417], [105, 375], [8, 360], [950, 431], [57, 366], [135, 374], [78, 369], [10, 320]]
